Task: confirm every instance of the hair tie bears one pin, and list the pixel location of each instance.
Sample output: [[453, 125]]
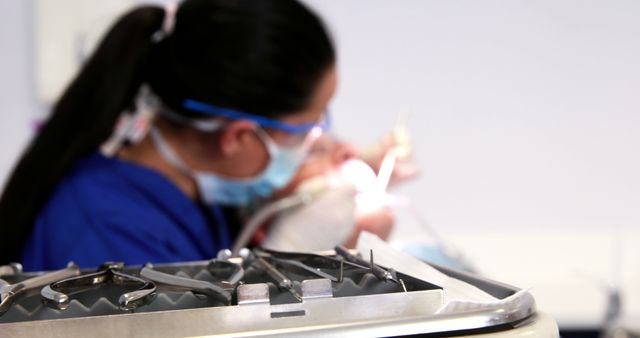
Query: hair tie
[[170, 10], [168, 24]]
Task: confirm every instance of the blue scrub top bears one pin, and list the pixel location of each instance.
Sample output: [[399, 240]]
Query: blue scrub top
[[107, 209]]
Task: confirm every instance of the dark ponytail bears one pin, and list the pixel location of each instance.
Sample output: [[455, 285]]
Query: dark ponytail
[[260, 56], [81, 121]]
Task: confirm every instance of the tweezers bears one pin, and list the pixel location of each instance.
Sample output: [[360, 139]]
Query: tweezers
[[177, 283]]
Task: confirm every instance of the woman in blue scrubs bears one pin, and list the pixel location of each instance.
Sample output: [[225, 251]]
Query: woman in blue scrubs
[[239, 91]]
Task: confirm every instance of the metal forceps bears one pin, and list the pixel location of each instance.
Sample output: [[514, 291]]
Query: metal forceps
[[279, 277], [297, 265], [10, 292], [57, 294], [231, 272], [376, 270], [223, 289]]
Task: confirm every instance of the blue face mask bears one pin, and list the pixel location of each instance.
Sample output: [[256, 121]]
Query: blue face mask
[[218, 189]]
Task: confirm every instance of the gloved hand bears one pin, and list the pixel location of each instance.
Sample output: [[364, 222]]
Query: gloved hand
[[398, 143], [377, 221], [347, 201], [329, 219]]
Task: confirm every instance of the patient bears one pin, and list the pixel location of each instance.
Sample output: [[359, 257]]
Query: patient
[[336, 174]]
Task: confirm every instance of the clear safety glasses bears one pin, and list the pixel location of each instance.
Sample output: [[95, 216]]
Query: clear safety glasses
[[304, 135]]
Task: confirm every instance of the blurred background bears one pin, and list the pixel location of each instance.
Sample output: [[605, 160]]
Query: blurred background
[[525, 117]]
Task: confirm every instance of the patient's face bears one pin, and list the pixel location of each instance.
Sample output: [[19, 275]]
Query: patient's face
[[327, 156]]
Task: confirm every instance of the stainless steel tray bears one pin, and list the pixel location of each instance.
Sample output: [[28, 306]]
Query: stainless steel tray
[[388, 314]]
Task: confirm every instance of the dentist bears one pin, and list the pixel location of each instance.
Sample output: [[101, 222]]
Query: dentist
[[239, 93]]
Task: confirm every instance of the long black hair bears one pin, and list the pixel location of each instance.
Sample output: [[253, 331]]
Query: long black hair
[[261, 56]]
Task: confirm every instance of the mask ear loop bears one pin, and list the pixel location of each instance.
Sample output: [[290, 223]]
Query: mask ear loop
[[272, 146], [170, 156], [168, 153]]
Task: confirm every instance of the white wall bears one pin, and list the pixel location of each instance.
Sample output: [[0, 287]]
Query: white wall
[[525, 113], [18, 104]]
